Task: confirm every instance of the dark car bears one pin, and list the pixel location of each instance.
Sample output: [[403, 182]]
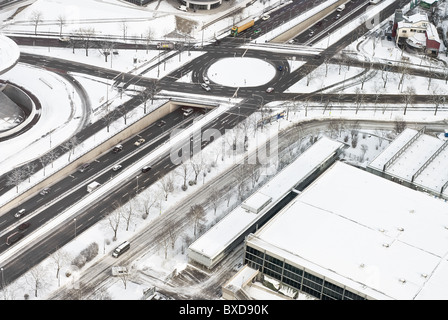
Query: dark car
[[280, 68], [319, 23], [24, 226], [117, 148], [84, 167], [146, 168]]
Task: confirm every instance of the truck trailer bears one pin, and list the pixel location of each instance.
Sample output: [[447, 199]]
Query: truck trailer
[[240, 28], [165, 45], [92, 186]]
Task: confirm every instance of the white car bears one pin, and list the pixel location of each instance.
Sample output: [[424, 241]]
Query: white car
[[116, 167], [205, 87], [139, 142], [206, 80], [265, 17], [269, 90]]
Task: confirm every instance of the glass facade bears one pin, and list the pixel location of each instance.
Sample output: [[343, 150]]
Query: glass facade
[[297, 278]]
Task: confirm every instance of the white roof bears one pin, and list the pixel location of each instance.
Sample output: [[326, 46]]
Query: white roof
[[256, 201], [337, 227], [433, 177], [222, 234]]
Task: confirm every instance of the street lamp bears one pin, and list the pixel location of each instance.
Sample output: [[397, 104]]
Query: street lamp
[[75, 226], [136, 191], [3, 279]]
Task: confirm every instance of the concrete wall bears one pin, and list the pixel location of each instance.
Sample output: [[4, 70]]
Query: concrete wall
[[296, 30]]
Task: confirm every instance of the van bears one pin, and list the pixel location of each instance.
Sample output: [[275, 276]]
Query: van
[[188, 111], [340, 8], [121, 249], [20, 213]]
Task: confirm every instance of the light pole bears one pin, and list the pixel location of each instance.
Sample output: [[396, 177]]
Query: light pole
[[136, 191], [262, 99], [75, 226], [3, 279]]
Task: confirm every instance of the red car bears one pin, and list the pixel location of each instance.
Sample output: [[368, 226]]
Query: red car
[[24, 226]]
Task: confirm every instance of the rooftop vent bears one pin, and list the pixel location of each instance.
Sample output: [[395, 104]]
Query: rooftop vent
[[386, 245], [400, 229], [402, 280], [361, 265], [424, 275]]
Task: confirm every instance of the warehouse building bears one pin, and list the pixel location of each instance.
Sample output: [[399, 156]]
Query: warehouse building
[[416, 160], [353, 235], [230, 232]]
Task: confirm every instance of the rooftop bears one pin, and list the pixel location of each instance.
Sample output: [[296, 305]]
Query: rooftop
[[373, 235]]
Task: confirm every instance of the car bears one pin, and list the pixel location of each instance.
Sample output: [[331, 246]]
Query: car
[[206, 80], [311, 33], [117, 148], [139, 141], [319, 23], [188, 111], [84, 167], [291, 41], [265, 17], [116, 167], [146, 169], [337, 16], [24, 226], [389, 38], [45, 191], [280, 68], [19, 213], [205, 87], [316, 57], [161, 123], [269, 90], [257, 30], [217, 42]]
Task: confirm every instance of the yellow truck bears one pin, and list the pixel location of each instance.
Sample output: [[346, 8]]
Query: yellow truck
[[239, 28]]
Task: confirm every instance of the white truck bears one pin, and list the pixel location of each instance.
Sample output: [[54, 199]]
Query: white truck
[[92, 186]]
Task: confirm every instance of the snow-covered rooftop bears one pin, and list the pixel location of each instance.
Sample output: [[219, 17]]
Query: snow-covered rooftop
[[216, 239], [425, 150], [9, 53], [370, 234]]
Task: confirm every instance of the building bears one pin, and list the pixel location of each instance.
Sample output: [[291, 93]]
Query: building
[[229, 232], [416, 34], [139, 2], [416, 160], [194, 5], [353, 235]]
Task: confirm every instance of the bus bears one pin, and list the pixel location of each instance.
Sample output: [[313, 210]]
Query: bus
[[122, 248], [13, 238]]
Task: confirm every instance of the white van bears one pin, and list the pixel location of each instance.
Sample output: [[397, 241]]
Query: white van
[[340, 8]]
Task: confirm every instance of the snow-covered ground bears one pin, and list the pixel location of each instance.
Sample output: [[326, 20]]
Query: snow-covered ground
[[100, 90]]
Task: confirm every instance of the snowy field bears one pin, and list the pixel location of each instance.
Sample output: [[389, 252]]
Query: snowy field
[[99, 90]]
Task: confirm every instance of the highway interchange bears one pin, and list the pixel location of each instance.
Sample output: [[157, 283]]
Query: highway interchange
[[72, 188]]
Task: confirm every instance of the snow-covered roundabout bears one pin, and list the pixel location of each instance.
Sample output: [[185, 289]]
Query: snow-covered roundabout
[[252, 72]]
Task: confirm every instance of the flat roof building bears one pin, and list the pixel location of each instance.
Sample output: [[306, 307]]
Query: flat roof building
[[213, 245], [354, 235], [416, 160]]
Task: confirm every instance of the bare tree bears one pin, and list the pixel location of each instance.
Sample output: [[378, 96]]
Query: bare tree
[[149, 201], [166, 184], [114, 218], [197, 164], [60, 258], [28, 170], [408, 98], [36, 18], [400, 125], [124, 28], [437, 99], [86, 35], [173, 234], [364, 149], [182, 171], [61, 20], [15, 178], [36, 278], [70, 146], [196, 213], [214, 199], [128, 213], [404, 71], [148, 37]]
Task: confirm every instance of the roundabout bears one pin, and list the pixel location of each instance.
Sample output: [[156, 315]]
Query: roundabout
[[252, 72]]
